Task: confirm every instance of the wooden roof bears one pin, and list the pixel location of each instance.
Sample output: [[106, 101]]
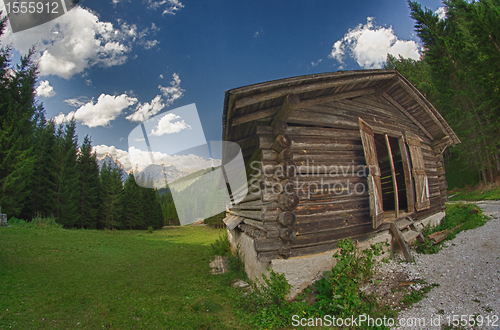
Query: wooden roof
[[249, 106]]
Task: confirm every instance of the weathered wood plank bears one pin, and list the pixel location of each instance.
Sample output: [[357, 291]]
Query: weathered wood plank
[[398, 236], [245, 101], [289, 105]]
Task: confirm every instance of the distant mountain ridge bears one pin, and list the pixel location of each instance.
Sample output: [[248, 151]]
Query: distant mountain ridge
[[153, 171]]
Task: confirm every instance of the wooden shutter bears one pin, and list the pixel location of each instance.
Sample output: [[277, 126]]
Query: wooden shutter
[[422, 201], [374, 183]]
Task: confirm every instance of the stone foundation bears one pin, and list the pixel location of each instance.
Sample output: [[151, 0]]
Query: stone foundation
[[303, 271]]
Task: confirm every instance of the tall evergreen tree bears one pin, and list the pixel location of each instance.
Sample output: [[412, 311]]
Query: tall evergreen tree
[[132, 210], [17, 117], [43, 186], [69, 180], [111, 196], [463, 54], [89, 185]]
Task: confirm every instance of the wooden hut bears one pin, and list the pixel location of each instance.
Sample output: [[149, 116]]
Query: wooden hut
[[334, 155]]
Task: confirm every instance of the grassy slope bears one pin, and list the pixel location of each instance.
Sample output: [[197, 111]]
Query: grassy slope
[[477, 194], [65, 279]]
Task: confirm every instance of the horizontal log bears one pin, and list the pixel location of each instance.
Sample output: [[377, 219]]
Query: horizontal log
[[321, 132], [256, 115], [288, 202], [287, 234], [281, 142], [327, 224], [251, 197], [330, 236], [336, 97], [284, 252], [296, 89], [286, 154], [287, 219], [325, 143], [280, 128], [255, 215], [252, 231], [254, 223]]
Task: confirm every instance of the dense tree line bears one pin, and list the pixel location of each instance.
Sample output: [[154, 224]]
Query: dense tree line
[[44, 172], [459, 73]]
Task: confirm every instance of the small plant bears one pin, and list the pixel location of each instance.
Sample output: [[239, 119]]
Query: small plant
[[459, 217], [416, 295], [221, 246], [236, 262], [150, 230], [269, 305], [338, 290], [44, 222]]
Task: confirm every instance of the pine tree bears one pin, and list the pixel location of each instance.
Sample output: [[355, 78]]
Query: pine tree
[[17, 124], [43, 187], [89, 185], [69, 180], [111, 196], [132, 210]]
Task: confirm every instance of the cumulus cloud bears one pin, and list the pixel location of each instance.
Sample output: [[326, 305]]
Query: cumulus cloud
[[441, 12], [147, 110], [172, 92], [45, 90], [100, 113], [170, 6], [369, 45], [76, 41], [169, 124]]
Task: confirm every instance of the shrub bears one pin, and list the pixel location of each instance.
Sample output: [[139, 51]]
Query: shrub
[[150, 230], [45, 222], [221, 246]]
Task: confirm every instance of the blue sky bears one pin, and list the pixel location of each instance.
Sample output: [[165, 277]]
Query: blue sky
[[115, 63]]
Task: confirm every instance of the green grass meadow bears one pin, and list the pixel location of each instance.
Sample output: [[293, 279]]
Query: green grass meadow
[[89, 279]]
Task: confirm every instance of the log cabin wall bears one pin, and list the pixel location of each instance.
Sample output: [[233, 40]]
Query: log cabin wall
[[306, 165]]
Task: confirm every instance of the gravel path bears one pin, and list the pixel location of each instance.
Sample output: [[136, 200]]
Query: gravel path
[[468, 273]]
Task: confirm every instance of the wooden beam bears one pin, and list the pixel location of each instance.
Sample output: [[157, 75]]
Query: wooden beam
[[406, 113], [393, 172], [261, 114], [421, 102], [290, 104], [336, 97], [244, 101], [398, 236]]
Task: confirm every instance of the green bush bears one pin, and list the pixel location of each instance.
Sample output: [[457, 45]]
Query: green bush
[[45, 222], [221, 246], [16, 222], [459, 217], [150, 230]]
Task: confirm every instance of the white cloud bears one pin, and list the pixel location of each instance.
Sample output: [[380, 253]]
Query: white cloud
[[101, 113], [45, 90], [142, 158], [174, 92], [169, 124], [315, 64], [62, 118], [441, 12], [77, 102], [76, 41], [146, 110], [256, 34], [369, 45], [171, 6], [161, 76]]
